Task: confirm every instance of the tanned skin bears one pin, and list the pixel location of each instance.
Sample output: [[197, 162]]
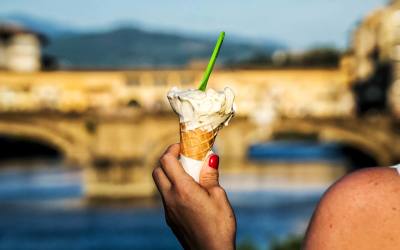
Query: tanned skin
[[360, 211]]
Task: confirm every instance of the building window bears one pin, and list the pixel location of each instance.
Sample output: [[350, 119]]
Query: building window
[[133, 80]]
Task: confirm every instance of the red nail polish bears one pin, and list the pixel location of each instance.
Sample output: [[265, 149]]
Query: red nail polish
[[213, 162]]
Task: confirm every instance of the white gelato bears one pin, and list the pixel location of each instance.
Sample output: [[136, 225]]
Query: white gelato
[[197, 108]]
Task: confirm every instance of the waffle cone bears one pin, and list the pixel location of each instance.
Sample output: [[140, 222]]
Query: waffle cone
[[196, 143]]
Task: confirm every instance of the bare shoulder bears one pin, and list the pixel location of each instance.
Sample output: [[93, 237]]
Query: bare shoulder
[[360, 211], [363, 186]]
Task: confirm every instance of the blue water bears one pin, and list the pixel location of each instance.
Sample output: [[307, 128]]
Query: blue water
[[43, 209], [296, 151]]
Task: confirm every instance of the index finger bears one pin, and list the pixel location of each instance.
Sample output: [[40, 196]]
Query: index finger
[[171, 165]]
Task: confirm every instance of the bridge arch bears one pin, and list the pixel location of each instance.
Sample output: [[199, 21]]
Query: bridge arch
[[373, 142], [52, 137]]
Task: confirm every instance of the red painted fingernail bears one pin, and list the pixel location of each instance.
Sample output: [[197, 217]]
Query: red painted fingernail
[[213, 162]]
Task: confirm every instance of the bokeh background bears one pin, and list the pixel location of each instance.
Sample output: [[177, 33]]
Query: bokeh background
[[84, 115]]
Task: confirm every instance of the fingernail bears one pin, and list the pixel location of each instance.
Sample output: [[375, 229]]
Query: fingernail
[[213, 162]]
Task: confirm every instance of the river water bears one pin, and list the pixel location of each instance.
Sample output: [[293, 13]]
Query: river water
[[42, 208]]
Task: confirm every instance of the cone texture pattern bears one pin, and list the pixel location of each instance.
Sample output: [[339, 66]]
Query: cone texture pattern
[[195, 144]]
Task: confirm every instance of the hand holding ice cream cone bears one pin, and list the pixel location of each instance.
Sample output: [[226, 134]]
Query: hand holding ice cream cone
[[199, 214]]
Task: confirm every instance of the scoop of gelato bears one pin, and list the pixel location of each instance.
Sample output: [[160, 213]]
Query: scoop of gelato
[[200, 109]]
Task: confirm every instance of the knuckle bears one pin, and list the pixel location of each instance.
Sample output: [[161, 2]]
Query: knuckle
[[161, 160], [170, 147], [218, 192], [156, 172], [210, 177], [165, 158]]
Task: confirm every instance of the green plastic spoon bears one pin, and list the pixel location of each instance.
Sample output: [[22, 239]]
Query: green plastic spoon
[[210, 66]]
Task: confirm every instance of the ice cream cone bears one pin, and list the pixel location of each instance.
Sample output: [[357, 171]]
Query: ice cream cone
[[195, 144], [201, 114]]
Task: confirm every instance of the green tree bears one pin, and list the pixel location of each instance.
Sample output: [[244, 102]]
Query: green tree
[[246, 244], [290, 243]]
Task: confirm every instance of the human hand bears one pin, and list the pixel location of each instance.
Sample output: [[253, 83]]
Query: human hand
[[199, 214]]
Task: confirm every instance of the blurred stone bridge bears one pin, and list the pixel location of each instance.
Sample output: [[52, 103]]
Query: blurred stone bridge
[[116, 124]]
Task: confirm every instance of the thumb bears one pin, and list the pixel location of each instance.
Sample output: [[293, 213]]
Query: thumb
[[209, 172]]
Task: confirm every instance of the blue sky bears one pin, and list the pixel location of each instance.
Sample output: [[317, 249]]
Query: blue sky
[[298, 23]]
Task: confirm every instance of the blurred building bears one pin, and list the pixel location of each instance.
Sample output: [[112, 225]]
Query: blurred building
[[20, 49], [373, 64]]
